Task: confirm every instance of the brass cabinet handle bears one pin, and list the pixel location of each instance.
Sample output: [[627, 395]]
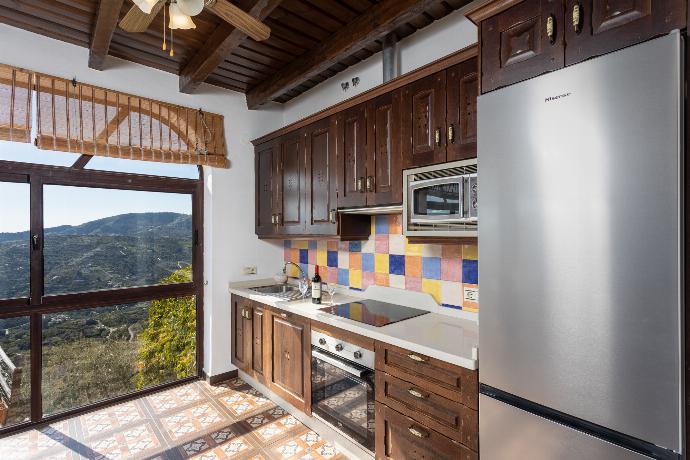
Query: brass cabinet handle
[[420, 433], [417, 394], [360, 184], [370, 183], [333, 216], [437, 136], [577, 18], [451, 134], [273, 219], [551, 28], [417, 358], [279, 219], [283, 315]]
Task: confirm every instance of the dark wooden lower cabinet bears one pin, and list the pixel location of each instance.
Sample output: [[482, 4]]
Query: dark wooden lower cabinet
[[444, 415], [290, 366], [259, 350], [241, 332], [401, 438]]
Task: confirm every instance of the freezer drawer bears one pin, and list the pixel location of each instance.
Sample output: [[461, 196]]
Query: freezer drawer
[[509, 433]]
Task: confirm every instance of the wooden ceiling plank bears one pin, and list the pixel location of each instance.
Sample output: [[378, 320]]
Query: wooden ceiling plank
[[106, 21], [223, 41], [314, 14], [43, 27], [64, 16], [371, 25], [285, 33]]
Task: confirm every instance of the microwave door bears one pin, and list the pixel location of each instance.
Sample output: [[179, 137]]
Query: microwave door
[[437, 200]]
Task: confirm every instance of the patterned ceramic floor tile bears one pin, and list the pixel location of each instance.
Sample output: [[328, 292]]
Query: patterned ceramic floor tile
[[191, 420], [111, 418], [174, 398], [180, 423]]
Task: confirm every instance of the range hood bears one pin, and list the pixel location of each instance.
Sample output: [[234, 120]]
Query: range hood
[[373, 210]]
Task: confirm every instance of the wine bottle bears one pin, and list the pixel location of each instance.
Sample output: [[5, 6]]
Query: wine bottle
[[316, 286]]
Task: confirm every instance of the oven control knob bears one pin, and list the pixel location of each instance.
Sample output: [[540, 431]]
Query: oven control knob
[[322, 341], [358, 354], [339, 347]]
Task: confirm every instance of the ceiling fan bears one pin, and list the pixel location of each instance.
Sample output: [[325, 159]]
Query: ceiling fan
[[143, 12]]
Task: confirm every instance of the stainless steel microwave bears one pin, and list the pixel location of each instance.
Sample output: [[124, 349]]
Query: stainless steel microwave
[[441, 200]]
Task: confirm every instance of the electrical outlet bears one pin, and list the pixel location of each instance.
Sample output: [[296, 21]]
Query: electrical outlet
[[249, 270], [471, 294]]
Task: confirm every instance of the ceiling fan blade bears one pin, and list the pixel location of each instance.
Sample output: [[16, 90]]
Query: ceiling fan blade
[[137, 21], [241, 20]]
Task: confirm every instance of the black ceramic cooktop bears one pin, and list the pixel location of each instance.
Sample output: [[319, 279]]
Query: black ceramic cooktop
[[373, 312]]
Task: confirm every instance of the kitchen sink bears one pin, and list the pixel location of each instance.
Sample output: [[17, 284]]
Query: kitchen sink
[[282, 291]]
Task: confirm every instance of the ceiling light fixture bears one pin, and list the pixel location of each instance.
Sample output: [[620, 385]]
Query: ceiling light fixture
[[146, 5], [179, 20]]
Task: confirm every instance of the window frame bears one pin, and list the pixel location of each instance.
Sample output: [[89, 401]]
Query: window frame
[[38, 304]]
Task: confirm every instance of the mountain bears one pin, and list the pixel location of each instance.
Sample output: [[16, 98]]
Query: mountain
[[168, 224], [126, 250]]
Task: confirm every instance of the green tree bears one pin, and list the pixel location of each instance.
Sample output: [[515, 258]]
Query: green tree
[[168, 343]]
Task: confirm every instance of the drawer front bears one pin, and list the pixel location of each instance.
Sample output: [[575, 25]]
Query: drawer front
[[450, 381], [446, 416], [400, 438]]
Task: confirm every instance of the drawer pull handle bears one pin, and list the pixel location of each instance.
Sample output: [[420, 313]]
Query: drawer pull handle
[[437, 136], [417, 358], [283, 315], [418, 432], [417, 394], [451, 134]]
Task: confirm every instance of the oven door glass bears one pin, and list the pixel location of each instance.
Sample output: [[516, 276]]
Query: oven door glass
[[438, 200], [344, 399]]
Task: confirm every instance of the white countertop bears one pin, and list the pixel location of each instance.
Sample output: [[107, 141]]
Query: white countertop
[[450, 339]]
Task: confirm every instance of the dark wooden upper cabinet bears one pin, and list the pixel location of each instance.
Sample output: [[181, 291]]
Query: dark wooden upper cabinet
[[597, 27], [462, 86], [383, 181], [351, 151], [291, 212], [265, 168], [424, 121], [523, 41], [321, 199]]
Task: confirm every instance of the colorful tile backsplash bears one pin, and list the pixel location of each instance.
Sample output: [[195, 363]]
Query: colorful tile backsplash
[[448, 272]]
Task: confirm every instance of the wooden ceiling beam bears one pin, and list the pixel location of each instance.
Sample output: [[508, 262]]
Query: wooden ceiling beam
[[373, 24], [106, 21], [220, 45]]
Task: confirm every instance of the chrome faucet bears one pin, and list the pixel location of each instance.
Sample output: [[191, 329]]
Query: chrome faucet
[[298, 268]]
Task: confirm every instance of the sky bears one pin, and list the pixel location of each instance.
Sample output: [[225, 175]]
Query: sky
[[77, 205]]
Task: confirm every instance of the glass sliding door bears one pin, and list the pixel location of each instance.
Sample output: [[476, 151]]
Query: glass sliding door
[[98, 239], [100, 287], [14, 239], [93, 354]]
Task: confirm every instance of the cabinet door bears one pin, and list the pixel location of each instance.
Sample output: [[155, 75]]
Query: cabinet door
[[400, 438], [319, 139], [258, 351], [290, 365], [291, 213], [351, 141], [607, 25], [384, 161], [515, 44], [264, 161], [424, 121], [240, 332], [462, 86]]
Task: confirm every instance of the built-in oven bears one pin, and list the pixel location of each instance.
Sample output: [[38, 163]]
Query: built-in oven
[[342, 387], [441, 200]]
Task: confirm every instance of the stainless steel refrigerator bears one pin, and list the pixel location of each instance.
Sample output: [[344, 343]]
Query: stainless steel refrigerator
[[581, 265]]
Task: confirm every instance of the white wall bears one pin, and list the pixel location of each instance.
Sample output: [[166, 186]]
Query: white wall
[[440, 38], [230, 243]]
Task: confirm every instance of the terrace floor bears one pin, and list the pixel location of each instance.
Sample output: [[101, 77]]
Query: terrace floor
[[195, 420]]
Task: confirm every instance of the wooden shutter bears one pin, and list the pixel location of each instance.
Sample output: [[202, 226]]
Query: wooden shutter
[[15, 104], [80, 118]]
